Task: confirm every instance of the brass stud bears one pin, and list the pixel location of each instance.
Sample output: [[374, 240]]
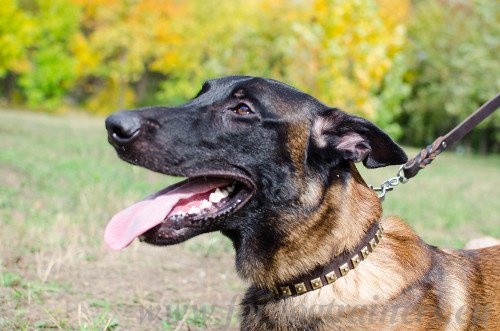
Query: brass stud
[[381, 228], [331, 277], [373, 244], [379, 234], [275, 291], [344, 269], [285, 290], [355, 260], [316, 283], [365, 252], [300, 288]]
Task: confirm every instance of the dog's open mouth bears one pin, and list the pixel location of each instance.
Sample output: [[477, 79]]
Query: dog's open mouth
[[178, 212]]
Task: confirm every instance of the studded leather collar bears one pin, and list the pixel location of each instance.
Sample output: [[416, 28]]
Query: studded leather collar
[[339, 266]]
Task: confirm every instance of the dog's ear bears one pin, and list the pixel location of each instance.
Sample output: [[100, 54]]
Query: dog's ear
[[339, 136]]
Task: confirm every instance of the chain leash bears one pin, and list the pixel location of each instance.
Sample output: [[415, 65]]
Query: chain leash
[[390, 184]]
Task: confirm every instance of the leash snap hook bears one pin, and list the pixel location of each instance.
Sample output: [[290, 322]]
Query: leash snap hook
[[401, 175], [390, 184]]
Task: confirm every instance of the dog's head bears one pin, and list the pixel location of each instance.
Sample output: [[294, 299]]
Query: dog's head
[[251, 148]]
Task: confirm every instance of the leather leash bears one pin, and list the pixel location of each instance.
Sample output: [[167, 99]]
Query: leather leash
[[428, 154], [411, 168]]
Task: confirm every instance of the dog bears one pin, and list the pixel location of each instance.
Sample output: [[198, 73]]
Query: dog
[[273, 169]]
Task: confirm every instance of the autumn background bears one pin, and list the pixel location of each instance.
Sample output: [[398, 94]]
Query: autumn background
[[416, 68]]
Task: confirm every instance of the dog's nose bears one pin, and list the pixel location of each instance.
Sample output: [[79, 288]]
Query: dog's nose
[[123, 127]]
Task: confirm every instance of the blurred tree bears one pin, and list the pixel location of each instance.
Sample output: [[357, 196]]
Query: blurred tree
[[117, 53], [453, 67], [241, 42], [353, 54], [338, 50], [51, 70], [343, 49], [392, 91], [118, 44], [16, 35]]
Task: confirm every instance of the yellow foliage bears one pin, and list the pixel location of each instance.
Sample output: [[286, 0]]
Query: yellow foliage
[[88, 60], [123, 39], [113, 90], [394, 12], [337, 50], [16, 34], [350, 50]]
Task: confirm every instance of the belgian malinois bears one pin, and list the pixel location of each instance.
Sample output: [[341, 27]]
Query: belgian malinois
[[272, 168]]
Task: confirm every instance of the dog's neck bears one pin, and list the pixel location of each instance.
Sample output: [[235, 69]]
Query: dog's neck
[[343, 214]]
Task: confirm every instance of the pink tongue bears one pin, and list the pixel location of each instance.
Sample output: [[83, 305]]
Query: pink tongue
[[133, 221]]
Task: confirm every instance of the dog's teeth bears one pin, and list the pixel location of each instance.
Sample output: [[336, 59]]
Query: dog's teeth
[[205, 204], [230, 188], [218, 195], [194, 210], [178, 214]]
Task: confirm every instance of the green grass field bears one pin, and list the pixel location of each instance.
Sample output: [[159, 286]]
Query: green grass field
[[61, 182]]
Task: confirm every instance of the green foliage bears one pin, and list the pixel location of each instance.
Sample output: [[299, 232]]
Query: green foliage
[[452, 68], [393, 92], [9, 279], [52, 68], [50, 76]]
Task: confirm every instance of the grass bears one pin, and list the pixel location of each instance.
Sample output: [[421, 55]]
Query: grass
[[61, 182]]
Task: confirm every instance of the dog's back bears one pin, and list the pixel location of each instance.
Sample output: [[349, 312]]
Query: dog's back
[[484, 290]]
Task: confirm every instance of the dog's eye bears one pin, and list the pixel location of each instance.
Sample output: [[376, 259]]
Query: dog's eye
[[242, 109]]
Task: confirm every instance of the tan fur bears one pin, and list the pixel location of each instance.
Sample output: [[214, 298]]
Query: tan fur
[[334, 229]]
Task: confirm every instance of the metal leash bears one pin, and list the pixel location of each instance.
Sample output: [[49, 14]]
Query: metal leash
[[428, 154]]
